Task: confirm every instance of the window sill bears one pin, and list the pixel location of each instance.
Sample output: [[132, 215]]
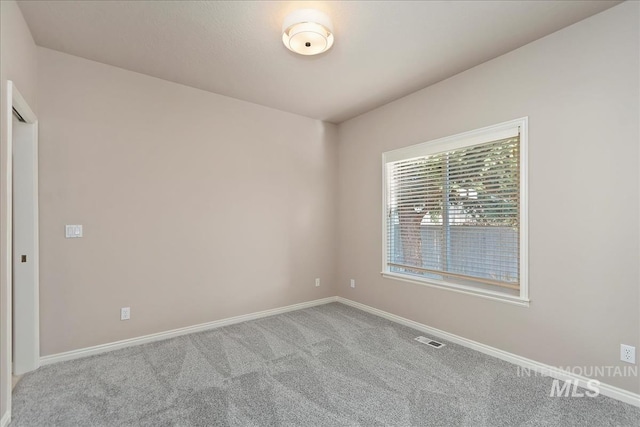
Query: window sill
[[496, 296]]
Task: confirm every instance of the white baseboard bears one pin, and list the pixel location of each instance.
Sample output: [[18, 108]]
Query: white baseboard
[[4, 421], [605, 389], [103, 348]]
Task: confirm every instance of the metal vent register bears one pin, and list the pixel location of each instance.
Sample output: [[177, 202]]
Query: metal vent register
[[429, 341]]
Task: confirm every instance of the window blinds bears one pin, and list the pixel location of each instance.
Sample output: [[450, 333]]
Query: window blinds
[[453, 215]]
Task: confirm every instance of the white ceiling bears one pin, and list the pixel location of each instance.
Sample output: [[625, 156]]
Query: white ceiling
[[383, 49]]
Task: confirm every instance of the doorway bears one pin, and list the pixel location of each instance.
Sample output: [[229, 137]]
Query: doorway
[[20, 329]]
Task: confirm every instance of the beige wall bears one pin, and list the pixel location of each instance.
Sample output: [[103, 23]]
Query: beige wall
[[580, 89], [18, 61], [195, 206]]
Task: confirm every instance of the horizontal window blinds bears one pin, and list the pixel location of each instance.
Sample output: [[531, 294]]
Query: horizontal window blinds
[[454, 214]]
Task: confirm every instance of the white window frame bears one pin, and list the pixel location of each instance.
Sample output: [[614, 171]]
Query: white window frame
[[478, 136]]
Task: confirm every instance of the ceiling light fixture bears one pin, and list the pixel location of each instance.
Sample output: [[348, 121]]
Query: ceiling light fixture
[[307, 32]]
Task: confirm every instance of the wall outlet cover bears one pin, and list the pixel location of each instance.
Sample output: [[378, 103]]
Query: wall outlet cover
[[627, 353]]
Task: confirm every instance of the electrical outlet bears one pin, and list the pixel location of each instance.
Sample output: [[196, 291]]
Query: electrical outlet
[[627, 353], [318, 282], [353, 283], [125, 313]]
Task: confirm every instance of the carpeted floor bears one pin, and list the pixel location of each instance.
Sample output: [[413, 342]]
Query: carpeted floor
[[330, 365]]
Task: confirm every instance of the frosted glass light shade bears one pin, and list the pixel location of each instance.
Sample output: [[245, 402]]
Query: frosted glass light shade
[[307, 32]]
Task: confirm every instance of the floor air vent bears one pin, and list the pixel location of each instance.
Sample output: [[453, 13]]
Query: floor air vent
[[429, 341]]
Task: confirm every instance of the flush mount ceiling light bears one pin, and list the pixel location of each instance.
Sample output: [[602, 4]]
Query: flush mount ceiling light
[[307, 32]]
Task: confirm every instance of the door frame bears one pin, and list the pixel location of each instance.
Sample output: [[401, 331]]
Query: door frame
[[25, 318], [15, 100]]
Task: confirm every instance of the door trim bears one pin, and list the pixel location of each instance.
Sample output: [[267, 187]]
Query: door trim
[[25, 318], [13, 100]]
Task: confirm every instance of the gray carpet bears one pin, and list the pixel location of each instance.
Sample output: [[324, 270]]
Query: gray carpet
[[330, 365]]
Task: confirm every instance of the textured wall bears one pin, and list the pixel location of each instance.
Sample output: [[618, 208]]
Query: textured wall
[[18, 62], [195, 206], [580, 89]]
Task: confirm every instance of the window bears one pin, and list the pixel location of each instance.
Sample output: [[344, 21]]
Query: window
[[455, 212]]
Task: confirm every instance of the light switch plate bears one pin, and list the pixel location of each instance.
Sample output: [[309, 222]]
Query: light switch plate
[[72, 231]]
